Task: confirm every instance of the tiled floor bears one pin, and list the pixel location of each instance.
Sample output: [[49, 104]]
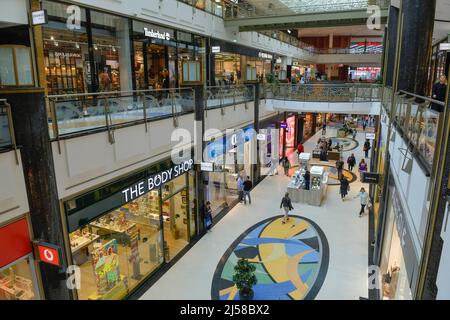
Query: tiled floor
[[347, 235]]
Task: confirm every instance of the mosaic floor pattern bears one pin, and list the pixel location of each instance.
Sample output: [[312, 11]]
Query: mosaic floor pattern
[[291, 260]]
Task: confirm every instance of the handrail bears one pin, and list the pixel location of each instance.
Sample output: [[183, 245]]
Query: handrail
[[72, 113], [422, 97]]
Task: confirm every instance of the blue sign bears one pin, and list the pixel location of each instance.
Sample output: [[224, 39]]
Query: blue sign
[[237, 139], [283, 125]]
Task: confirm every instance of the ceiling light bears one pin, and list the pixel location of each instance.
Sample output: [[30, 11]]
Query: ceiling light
[[77, 45], [52, 38], [289, 31]]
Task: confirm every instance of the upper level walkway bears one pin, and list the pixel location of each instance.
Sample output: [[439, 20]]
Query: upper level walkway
[[287, 14]]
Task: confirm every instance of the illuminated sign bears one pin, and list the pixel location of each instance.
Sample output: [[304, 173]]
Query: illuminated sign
[[156, 34], [39, 17]]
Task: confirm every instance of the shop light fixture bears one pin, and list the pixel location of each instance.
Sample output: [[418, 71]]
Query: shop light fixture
[[52, 38], [56, 44], [289, 31], [77, 45], [95, 47]]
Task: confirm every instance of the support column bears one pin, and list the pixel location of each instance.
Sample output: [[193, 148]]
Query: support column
[[416, 45], [32, 135], [199, 146], [257, 165]]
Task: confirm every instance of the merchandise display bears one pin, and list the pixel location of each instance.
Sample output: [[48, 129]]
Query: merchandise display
[[317, 189], [14, 287]]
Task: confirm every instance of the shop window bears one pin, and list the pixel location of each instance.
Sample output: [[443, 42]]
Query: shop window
[[15, 66], [66, 52], [119, 249], [16, 281], [111, 42]]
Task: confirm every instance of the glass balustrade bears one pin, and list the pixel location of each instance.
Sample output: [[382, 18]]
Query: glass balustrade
[[70, 114]]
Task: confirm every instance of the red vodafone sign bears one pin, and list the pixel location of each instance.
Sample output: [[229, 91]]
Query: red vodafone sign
[[48, 254]]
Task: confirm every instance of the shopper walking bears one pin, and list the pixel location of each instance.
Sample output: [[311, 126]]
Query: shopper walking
[[439, 91], [286, 204], [247, 188], [300, 148], [351, 162], [286, 165], [364, 124], [240, 188], [345, 188], [339, 167], [208, 216], [324, 129], [362, 168], [363, 199], [354, 133], [366, 148]]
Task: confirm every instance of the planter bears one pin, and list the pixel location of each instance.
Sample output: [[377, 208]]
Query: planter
[[246, 296]]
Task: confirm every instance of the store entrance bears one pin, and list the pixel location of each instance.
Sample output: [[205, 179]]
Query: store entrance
[[176, 220], [154, 66]]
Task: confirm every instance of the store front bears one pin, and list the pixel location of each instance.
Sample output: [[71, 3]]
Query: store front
[[123, 232], [113, 53], [288, 136], [399, 263], [18, 280], [232, 157], [269, 151], [235, 64], [364, 73], [300, 70]]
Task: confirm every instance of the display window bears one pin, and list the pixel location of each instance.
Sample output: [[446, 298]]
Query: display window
[[231, 156], [18, 279], [227, 68], [111, 42], [290, 135], [364, 73], [398, 261], [118, 249], [66, 52]]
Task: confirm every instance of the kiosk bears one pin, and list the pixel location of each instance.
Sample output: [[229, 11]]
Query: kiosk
[[317, 188]]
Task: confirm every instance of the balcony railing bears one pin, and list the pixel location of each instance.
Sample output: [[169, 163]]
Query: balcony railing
[[222, 96], [75, 113], [417, 118], [324, 92]]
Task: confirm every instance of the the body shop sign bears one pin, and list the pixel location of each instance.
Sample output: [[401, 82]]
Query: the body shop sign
[[142, 187]]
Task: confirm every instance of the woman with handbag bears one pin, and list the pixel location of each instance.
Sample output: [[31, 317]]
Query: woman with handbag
[[286, 204]]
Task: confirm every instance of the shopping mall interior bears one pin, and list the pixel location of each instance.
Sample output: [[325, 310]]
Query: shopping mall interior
[[224, 150]]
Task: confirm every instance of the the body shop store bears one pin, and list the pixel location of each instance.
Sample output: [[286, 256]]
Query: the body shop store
[[121, 233]]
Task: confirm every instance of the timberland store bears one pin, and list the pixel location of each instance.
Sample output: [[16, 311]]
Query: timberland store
[[122, 232]]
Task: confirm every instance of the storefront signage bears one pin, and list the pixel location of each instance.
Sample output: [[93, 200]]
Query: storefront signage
[[370, 136], [371, 177], [283, 125], [48, 253], [261, 137], [157, 34], [215, 49], [39, 17], [207, 166], [265, 55], [68, 54], [278, 60], [140, 188]]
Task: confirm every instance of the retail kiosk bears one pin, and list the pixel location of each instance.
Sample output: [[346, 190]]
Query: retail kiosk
[[317, 188]]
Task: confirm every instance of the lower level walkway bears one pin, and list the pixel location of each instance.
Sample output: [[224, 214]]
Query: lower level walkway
[[346, 234]]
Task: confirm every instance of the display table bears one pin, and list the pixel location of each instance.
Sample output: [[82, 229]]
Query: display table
[[318, 187], [332, 155], [82, 241]]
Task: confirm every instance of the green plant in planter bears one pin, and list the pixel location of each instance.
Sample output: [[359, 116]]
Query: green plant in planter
[[244, 277]]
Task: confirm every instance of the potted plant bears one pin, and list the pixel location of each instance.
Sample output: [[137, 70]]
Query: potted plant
[[244, 278]]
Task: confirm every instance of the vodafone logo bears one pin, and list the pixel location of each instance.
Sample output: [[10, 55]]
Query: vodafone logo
[[48, 254]]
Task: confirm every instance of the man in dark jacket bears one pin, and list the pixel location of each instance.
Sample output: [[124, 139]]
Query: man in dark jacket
[[351, 161], [286, 204], [344, 188], [439, 91], [247, 187]]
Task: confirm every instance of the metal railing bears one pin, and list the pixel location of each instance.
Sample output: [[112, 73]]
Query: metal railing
[[323, 92], [239, 11], [418, 117], [7, 135], [222, 96], [75, 113]]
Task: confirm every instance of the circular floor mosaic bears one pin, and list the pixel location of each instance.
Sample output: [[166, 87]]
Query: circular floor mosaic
[[291, 260], [333, 174], [349, 144]]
